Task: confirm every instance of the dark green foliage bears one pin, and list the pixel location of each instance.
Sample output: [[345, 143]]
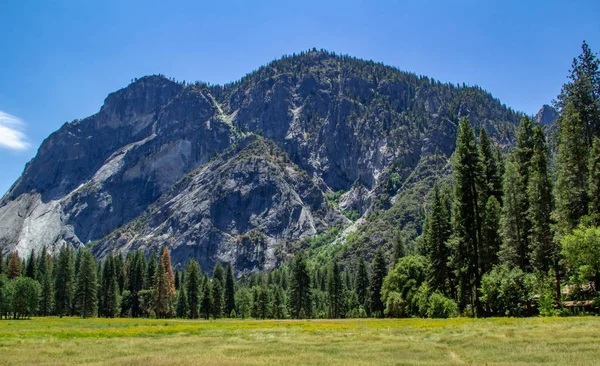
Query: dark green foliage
[[401, 287], [13, 266], [65, 281], [86, 290], [362, 285], [229, 291], [436, 241], [31, 270], [399, 249], [181, 308], [300, 288], [151, 268], [21, 297], [539, 194], [571, 166], [193, 287], [466, 216], [336, 292], [491, 240], [594, 180], [507, 292], [109, 295], [492, 179], [512, 251], [217, 298], [379, 273], [47, 282], [206, 307], [135, 281]]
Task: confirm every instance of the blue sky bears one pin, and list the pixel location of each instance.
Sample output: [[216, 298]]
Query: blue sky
[[59, 59]]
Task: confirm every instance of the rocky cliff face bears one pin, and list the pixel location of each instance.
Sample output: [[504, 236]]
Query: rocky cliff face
[[546, 115], [183, 165]]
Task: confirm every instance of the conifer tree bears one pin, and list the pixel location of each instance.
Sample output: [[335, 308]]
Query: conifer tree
[[164, 287], [513, 229], [467, 218], [218, 298], [193, 288], [539, 193], [13, 269], [436, 240], [399, 248], [31, 270], [87, 286], [594, 180], [120, 271], [207, 304], [523, 153], [46, 282], [362, 284], [110, 288], [379, 273], [572, 177], [65, 282], [229, 291], [489, 166], [491, 241], [181, 309], [151, 268], [300, 288], [336, 292], [136, 281]]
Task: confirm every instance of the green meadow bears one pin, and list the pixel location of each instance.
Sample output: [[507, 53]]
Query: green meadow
[[498, 341]]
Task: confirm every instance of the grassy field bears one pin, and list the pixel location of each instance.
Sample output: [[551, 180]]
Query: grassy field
[[541, 341]]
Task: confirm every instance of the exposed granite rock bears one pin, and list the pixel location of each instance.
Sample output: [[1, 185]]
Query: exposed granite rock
[[546, 115]]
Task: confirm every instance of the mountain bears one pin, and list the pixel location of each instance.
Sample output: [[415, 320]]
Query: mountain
[[249, 171], [546, 115]]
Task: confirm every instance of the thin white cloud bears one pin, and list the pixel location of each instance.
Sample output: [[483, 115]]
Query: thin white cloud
[[11, 133]]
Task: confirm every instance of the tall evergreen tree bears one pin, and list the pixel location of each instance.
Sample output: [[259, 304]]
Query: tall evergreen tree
[[151, 268], [399, 248], [523, 154], [379, 273], [181, 309], [491, 241], [489, 166], [65, 282], [136, 281], [87, 286], [539, 193], [571, 164], [46, 281], [229, 291], [436, 240], [193, 288], [110, 288], [582, 92], [207, 304], [336, 292], [164, 286], [467, 218], [13, 267], [362, 284], [512, 251], [31, 270], [594, 180], [300, 288]]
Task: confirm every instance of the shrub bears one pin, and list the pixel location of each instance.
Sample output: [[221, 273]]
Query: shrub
[[440, 306], [507, 291]]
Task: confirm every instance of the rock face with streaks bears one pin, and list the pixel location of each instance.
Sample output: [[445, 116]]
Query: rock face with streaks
[[238, 172]]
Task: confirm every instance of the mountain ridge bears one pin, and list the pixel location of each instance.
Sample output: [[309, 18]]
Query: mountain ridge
[[353, 126]]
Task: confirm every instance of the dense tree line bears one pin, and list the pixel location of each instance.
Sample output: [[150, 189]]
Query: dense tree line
[[513, 233]]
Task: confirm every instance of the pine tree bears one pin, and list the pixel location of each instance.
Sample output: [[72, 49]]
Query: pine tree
[[379, 273], [571, 164], [300, 288], [229, 291], [582, 93], [207, 304], [110, 289], [13, 268], [120, 271], [151, 268], [467, 218], [336, 292], [65, 281], [87, 286], [362, 284], [181, 309], [436, 240], [491, 241], [539, 193], [399, 248], [218, 298], [164, 287], [136, 281], [489, 166], [512, 251], [193, 288], [31, 270], [594, 180], [45, 278]]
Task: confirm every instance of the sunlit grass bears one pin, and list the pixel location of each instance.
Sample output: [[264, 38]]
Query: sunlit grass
[[501, 341]]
